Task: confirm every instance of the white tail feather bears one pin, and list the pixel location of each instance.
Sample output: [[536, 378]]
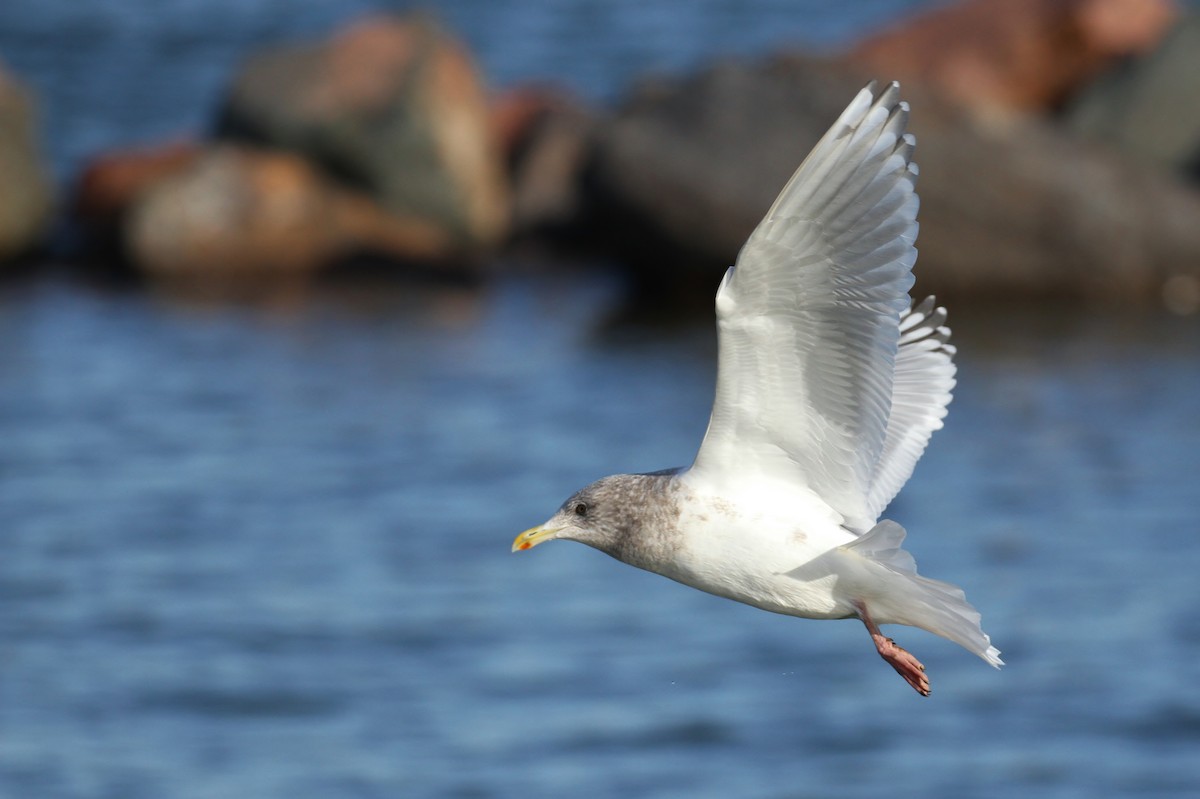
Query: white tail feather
[[905, 597]]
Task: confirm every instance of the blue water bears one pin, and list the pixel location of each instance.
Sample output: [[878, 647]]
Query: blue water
[[263, 550]]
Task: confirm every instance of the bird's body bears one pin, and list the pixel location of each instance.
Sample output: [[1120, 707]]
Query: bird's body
[[829, 386], [742, 545]]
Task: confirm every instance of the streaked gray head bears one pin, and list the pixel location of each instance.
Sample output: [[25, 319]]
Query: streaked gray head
[[629, 516]]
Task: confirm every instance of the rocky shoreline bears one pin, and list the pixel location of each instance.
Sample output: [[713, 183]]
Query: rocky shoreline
[[382, 143]]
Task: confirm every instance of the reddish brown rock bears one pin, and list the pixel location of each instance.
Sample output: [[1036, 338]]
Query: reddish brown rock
[[239, 212], [392, 106], [546, 135], [25, 188], [112, 182], [1015, 55]]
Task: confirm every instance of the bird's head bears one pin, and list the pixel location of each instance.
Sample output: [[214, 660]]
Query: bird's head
[[593, 515], [629, 516]]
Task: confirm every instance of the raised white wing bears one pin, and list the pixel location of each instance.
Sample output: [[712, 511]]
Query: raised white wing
[[809, 325]]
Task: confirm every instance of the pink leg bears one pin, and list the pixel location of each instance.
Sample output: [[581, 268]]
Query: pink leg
[[904, 663]]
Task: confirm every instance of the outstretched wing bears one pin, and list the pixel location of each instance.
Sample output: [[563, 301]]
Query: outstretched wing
[[808, 319]]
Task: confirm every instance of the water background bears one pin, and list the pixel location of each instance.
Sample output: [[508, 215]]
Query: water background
[[262, 550]]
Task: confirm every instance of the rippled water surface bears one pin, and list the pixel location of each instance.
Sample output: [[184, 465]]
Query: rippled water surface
[[263, 551]]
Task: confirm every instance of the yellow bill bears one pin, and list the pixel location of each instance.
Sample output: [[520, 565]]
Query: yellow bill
[[533, 536]]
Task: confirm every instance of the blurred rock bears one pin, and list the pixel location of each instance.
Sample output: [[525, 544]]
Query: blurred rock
[[1015, 55], [391, 106], [25, 186], [687, 169], [113, 181], [546, 137], [235, 212], [1148, 107]]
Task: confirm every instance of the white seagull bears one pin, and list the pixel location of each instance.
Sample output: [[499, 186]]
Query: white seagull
[[829, 385]]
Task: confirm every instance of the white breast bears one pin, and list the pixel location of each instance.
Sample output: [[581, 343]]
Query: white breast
[[751, 543]]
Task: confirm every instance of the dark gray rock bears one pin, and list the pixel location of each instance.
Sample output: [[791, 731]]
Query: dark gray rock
[[686, 169], [1150, 107]]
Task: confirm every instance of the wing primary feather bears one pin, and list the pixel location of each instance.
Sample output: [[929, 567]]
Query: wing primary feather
[[826, 152], [921, 393]]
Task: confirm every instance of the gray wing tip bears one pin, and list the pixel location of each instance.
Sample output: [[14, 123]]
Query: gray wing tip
[[724, 300], [926, 321], [889, 95], [886, 97]]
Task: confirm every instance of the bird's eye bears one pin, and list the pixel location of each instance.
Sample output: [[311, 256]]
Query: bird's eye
[[580, 509]]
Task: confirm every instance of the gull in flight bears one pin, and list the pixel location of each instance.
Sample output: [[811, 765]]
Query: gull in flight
[[829, 384]]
